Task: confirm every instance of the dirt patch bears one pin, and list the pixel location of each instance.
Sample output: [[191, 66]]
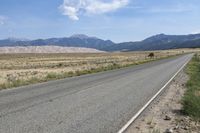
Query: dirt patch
[[164, 115]]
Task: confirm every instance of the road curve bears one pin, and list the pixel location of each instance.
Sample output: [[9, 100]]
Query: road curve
[[96, 103]]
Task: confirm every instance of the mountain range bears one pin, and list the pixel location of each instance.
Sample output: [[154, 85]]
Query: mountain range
[[157, 42]]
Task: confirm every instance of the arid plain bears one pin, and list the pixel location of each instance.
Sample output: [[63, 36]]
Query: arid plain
[[23, 69]]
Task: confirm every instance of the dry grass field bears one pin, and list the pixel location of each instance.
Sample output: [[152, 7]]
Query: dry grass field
[[23, 69]]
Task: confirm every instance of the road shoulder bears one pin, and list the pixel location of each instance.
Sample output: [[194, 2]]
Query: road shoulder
[[164, 114]]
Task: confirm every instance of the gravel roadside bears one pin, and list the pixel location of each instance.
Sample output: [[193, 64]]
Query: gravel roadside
[[164, 115]]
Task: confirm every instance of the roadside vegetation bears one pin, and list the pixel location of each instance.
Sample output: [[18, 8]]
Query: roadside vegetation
[[24, 69], [191, 100]]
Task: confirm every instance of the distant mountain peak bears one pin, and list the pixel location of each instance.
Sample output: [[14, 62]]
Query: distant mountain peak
[[159, 35], [81, 36], [162, 34], [156, 37]]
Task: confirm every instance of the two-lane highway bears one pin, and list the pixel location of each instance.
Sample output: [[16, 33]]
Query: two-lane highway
[[96, 103]]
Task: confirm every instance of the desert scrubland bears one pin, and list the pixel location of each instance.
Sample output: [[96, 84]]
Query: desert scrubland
[[23, 69]]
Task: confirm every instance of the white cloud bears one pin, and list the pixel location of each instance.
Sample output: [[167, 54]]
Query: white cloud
[[71, 12], [73, 8], [2, 20], [195, 32]]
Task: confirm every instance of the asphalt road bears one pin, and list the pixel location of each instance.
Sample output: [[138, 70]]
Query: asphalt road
[[97, 103]]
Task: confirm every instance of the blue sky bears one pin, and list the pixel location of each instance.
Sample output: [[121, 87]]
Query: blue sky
[[118, 20]]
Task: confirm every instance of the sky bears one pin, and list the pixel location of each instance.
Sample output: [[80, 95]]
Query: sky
[[117, 20]]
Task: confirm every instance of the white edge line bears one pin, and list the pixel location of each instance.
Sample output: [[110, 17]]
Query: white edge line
[[123, 129]]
